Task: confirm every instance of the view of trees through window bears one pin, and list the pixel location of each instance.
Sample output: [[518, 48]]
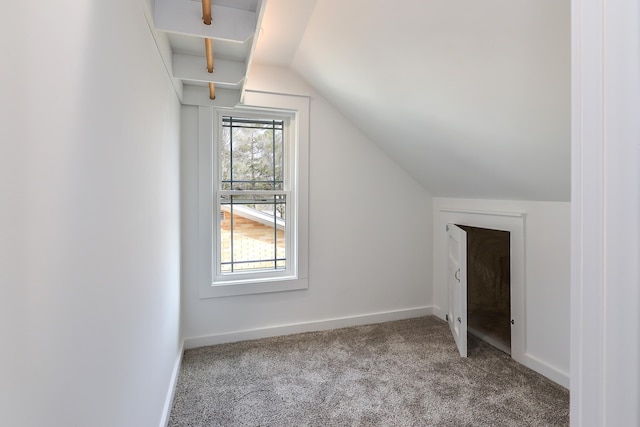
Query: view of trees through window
[[252, 226], [252, 154]]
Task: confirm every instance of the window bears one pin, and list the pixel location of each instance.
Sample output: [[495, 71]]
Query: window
[[253, 190], [253, 181]]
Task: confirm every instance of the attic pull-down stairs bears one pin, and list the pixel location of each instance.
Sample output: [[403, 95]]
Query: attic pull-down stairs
[[228, 42]]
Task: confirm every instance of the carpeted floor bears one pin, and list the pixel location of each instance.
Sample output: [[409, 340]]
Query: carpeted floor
[[403, 373]]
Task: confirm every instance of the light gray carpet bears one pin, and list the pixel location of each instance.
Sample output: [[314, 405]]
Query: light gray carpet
[[403, 373]]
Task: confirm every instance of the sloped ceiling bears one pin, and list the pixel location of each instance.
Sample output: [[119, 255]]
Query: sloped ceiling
[[471, 98]]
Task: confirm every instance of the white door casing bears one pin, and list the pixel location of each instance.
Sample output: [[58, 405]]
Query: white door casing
[[457, 286], [605, 217], [514, 223]]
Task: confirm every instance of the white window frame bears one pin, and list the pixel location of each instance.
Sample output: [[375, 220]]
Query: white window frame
[[289, 151], [295, 111]]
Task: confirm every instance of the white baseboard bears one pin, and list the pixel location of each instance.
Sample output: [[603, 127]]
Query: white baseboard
[[318, 325], [543, 368], [168, 402], [439, 312]]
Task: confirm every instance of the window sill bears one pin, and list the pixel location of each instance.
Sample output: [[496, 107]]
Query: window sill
[[247, 288]]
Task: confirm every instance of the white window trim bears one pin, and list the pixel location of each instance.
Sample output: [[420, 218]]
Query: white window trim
[[270, 103]]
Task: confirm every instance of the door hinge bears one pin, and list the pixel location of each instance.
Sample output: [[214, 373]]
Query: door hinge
[[459, 320], [513, 322], [446, 316]]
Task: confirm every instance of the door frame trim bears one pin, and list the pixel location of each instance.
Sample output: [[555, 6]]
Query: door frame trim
[[514, 223]]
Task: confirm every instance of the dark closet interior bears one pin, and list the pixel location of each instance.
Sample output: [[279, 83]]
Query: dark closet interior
[[489, 286]]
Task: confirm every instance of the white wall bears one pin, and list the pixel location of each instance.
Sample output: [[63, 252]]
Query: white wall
[[89, 217], [370, 235], [547, 277]]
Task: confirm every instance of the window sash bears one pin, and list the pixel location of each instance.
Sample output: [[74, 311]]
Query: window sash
[[290, 227], [248, 199], [236, 137]]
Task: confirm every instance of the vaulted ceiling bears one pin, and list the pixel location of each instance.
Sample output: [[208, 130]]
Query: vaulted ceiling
[[471, 98]]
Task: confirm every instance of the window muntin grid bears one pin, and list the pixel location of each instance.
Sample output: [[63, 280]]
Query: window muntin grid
[[252, 154], [252, 196]]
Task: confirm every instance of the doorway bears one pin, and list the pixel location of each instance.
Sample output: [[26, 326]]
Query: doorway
[[489, 286], [452, 294]]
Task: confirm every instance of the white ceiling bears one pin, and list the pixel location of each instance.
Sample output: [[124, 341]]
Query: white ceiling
[[471, 98], [283, 26]]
